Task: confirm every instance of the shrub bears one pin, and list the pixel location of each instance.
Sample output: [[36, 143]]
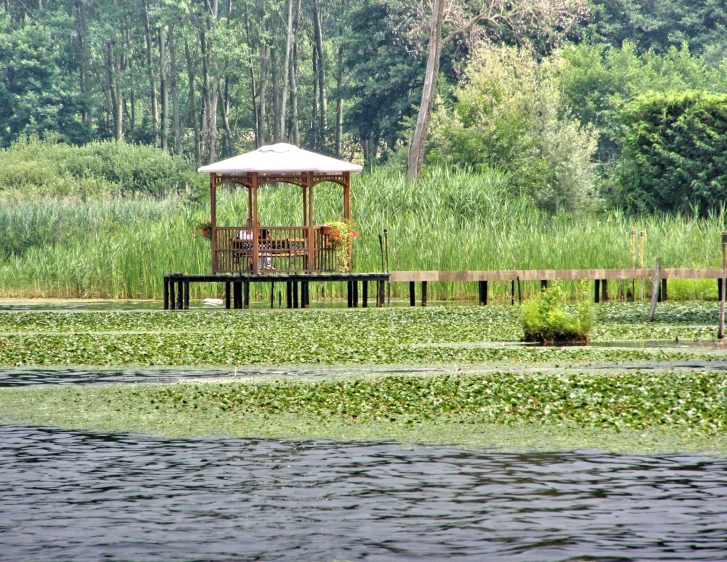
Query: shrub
[[675, 153], [545, 319], [46, 167], [510, 115]]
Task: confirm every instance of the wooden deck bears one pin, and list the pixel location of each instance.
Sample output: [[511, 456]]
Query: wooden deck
[[237, 289], [552, 274]]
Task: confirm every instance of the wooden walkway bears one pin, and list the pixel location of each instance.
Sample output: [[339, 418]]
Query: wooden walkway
[[237, 285], [598, 276]]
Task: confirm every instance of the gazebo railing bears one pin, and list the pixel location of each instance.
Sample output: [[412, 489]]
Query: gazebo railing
[[281, 249]]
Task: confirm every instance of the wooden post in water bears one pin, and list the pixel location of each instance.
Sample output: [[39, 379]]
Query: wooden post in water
[[482, 290], [237, 295], [596, 291], [166, 293], [272, 294], [655, 290], [642, 237], [295, 294], [543, 285], [381, 298], [512, 292], [604, 290], [227, 295], [354, 298], [424, 293], [633, 263], [663, 293], [365, 294], [720, 333], [412, 293], [173, 301], [180, 295], [519, 291], [289, 294], [186, 295], [304, 294], [349, 293], [245, 294]]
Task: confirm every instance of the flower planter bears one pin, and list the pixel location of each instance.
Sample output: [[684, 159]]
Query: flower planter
[[325, 230]]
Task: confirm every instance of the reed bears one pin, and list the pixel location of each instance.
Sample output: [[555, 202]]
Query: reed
[[121, 247]]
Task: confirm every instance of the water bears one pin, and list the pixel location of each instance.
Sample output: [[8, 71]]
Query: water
[[68, 495], [74, 495]]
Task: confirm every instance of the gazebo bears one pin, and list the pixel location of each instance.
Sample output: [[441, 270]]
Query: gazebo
[[253, 248]]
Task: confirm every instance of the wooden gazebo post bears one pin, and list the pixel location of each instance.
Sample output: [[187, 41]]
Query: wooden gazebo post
[[213, 219], [311, 223]]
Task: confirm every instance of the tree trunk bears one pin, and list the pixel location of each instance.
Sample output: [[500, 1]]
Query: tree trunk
[[163, 89], [276, 93], [193, 99], [339, 104], [253, 89], [150, 68], [294, 82], [213, 119], [286, 72], [321, 74], [416, 148], [175, 91], [262, 111]]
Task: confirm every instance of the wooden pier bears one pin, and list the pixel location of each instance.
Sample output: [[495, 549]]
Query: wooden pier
[[515, 276], [297, 287]]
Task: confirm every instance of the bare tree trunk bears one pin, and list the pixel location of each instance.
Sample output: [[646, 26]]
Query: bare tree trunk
[[286, 71], [339, 104], [416, 148], [276, 93], [321, 74], [226, 121], [213, 119], [193, 99], [150, 68], [83, 67], [314, 114], [175, 91], [163, 89], [262, 111], [294, 81], [206, 98], [253, 89], [116, 95]]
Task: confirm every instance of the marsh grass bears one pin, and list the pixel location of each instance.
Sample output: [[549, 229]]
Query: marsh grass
[[121, 248]]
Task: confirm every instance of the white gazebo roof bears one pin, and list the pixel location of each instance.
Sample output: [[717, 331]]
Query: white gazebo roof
[[279, 158]]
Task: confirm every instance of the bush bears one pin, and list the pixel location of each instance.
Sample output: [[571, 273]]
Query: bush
[[510, 115], [46, 167], [675, 153], [545, 319]]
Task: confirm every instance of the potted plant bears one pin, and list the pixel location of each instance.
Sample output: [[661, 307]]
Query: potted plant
[[204, 230], [340, 238]]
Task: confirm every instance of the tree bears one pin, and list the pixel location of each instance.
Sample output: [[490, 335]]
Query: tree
[[509, 114], [546, 20]]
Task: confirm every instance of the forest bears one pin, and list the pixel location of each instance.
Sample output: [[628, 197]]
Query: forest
[[544, 119]]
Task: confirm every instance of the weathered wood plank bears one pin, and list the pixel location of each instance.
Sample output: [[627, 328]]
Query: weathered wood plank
[[553, 274]]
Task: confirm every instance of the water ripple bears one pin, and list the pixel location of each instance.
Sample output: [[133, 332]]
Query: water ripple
[[67, 495]]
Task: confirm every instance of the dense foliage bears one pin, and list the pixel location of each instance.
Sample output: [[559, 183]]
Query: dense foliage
[[31, 167], [510, 114], [546, 320], [675, 153]]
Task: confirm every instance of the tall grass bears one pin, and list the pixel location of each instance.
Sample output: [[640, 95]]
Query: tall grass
[[121, 248]]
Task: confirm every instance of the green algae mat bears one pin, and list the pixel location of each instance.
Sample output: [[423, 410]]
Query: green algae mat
[[481, 389]]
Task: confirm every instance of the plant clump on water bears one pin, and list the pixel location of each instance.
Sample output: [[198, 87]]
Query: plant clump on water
[[546, 320]]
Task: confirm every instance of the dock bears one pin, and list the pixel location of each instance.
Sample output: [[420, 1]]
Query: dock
[[297, 285]]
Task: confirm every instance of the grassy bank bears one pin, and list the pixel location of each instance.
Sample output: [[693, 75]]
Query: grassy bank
[[114, 248], [337, 337], [625, 412]]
